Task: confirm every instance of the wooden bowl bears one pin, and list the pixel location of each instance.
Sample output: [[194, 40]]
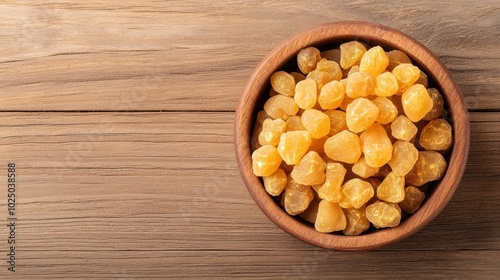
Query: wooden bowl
[[256, 92]]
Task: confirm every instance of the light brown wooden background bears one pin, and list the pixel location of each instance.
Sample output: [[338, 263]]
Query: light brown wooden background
[[118, 115]]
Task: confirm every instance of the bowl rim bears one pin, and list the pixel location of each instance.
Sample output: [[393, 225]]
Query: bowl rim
[[371, 33]]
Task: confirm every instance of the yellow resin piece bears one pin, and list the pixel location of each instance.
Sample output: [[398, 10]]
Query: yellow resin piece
[[265, 160], [385, 85], [316, 122], [416, 102], [374, 61], [333, 55], [310, 170], [357, 192], [331, 67], [359, 84], [297, 76], [296, 197], [387, 110], [362, 169], [403, 158], [293, 146], [311, 212], [344, 147], [283, 83], [306, 94], [330, 217], [413, 199], [317, 145], [331, 190], [307, 59], [331, 95], [337, 121], [357, 222], [382, 214], [294, 123], [377, 146], [281, 107], [406, 74], [403, 129], [351, 53], [430, 166], [392, 188], [422, 79], [271, 132], [437, 105], [361, 114], [397, 57], [436, 136], [320, 78], [276, 182]]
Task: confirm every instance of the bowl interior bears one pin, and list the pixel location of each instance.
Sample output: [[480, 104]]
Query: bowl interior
[[328, 36]]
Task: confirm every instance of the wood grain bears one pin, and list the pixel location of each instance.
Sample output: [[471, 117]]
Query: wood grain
[[124, 210], [152, 190], [186, 55]]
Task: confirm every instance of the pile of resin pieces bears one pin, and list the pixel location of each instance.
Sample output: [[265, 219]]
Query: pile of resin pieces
[[352, 139]]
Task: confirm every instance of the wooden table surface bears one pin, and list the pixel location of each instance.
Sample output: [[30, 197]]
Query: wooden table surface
[[118, 117]]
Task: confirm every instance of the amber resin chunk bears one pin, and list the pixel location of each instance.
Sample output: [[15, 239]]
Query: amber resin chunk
[[331, 67], [265, 160], [403, 158], [397, 57], [281, 107], [298, 76], [317, 145], [294, 123], [310, 170], [331, 95], [307, 59], [283, 83], [406, 75], [374, 61], [261, 117], [436, 136], [275, 183], [333, 55], [330, 217], [361, 114], [357, 222], [271, 132], [331, 190], [422, 79], [387, 110], [377, 146], [359, 84], [296, 197], [413, 199], [430, 166], [383, 214], [306, 94], [316, 122], [337, 121], [357, 192], [385, 85], [416, 102], [362, 169], [392, 189], [344, 147], [437, 105], [311, 212], [293, 146], [403, 129], [351, 53]]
